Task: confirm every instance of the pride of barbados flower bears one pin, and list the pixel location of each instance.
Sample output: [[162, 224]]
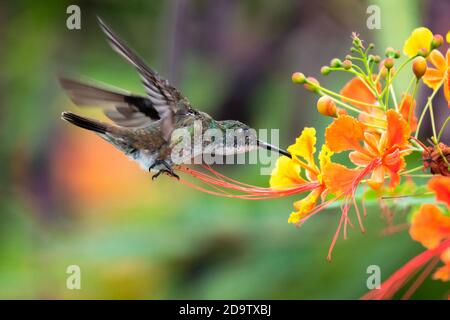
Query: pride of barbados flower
[[371, 124], [288, 172], [378, 131], [387, 149]]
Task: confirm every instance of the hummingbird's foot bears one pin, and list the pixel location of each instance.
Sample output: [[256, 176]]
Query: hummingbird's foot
[[167, 169], [168, 172]]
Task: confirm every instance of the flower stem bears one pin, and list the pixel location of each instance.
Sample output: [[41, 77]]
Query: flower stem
[[430, 99], [441, 132], [412, 102]]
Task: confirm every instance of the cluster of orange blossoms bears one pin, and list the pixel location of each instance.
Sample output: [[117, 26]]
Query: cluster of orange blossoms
[[378, 130], [383, 132]]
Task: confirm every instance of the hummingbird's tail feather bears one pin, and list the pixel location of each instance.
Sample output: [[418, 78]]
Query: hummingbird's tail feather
[[84, 94], [122, 107], [271, 147], [85, 123]]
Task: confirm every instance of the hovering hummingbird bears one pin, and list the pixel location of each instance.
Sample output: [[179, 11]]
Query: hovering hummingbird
[[143, 125]]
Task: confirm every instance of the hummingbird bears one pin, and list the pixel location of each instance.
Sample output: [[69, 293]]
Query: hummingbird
[[143, 125]]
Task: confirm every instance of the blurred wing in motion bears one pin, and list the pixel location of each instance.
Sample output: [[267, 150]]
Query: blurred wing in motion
[[122, 107], [163, 96]]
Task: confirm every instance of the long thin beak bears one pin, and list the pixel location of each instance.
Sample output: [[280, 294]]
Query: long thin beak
[[270, 147]]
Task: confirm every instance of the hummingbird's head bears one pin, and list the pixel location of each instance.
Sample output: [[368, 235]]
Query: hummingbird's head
[[233, 125], [238, 137]]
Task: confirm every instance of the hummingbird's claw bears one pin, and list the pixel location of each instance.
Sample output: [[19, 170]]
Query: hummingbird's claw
[[168, 170], [156, 175]]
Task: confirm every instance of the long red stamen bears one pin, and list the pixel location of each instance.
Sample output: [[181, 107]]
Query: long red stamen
[[221, 185], [349, 194], [401, 276]]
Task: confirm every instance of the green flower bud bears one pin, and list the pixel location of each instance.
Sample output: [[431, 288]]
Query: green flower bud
[[390, 52], [347, 64], [298, 77], [325, 70], [336, 63], [437, 41], [312, 84]]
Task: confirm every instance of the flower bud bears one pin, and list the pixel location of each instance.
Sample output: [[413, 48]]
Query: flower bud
[[397, 54], [447, 37], [423, 52], [437, 41], [325, 70], [388, 63], [335, 63], [419, 67], [347, 64], [326, 106], [390, 52], [298, 77], [376, 58], [357, 42], [311, 84]]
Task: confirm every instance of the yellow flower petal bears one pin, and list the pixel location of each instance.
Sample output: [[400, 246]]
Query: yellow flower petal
[[325, 156], [419, 38], [305, 146], [305, 206], [285, 174], [447, 37], [324, 159]]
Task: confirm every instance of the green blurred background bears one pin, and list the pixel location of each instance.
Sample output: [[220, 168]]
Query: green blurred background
[[67, 197]]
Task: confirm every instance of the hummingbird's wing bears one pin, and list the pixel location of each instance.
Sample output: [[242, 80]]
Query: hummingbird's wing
[[122, 107], [163, 96]]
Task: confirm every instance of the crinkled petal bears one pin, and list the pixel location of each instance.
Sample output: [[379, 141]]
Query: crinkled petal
[[340, 179], [398, 130], [325, 156], [345, 133], [305, 145], [305, 205]]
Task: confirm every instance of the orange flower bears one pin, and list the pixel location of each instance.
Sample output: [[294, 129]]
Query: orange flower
[[389, 148], [429, 226], [441, 186], [441, 72]]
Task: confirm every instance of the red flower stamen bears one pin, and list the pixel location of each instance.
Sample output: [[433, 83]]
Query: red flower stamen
[[405, 273], [221, 185]]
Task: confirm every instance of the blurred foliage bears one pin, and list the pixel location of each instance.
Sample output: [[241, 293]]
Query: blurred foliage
[[67, 197]]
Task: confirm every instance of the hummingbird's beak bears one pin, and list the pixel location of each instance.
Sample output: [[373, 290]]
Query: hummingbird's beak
[[270, 147]]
